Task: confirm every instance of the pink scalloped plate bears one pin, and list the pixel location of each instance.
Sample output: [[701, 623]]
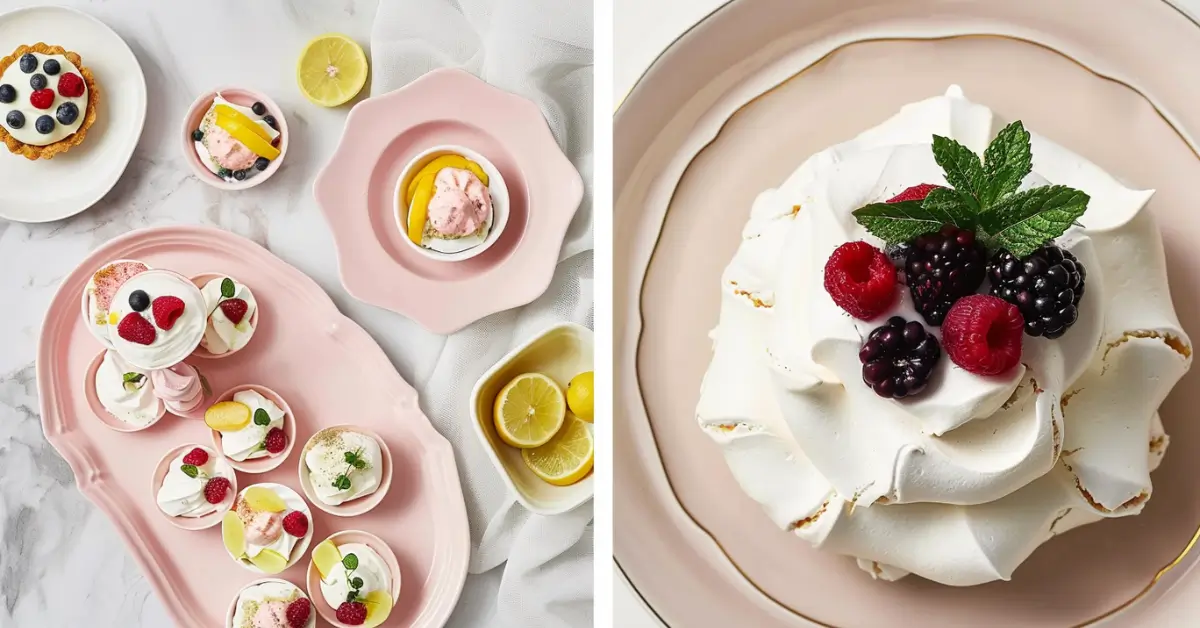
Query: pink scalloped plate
[[423, 518], [383, 134]]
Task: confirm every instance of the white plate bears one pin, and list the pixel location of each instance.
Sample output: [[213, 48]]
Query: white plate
[[35, 191]]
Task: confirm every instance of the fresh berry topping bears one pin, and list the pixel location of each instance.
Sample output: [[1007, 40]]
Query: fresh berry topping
[[861, 280], [44, 125], [898, 358], [42, 98], [270, 120], [67, 113], [1045, 285], [51, 67], [38, 81], [239, 175], [258, 108], [983, 333], [7, 93], [914, 193], [197, 135], [28, 63], [295, 524], [15, 119], [197, 457], [70, 85], [139, 300], [110, 278], [943, 267], [276, 441], [167, 310], [352, 613], [234, 309], [261, 163], [135, 328], [216, 489], [299, 610]]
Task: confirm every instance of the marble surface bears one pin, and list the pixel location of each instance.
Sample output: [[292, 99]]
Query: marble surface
[[61, 562]]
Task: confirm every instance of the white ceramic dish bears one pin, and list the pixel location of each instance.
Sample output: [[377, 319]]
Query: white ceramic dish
[[31, 191], [561, 352], [496, 187]]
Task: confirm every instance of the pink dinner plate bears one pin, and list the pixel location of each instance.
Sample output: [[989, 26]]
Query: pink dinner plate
[[423, 519], [383, 134], [731, 109]]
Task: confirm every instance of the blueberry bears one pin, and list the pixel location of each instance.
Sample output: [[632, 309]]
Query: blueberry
[[7, 93], [44, 125], [38, 81], [28, 63], [258, 108], [51, 67], [261, 163], [15, 119], [67, 113], [197, 135], [270, 120], [139, 300], [239, 175]]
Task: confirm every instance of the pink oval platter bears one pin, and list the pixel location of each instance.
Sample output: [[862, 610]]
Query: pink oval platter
[[383, 134], [733, 107], [423, 518]]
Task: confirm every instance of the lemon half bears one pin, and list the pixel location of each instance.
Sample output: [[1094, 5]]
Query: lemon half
[[529, 410], [567, 458], [331, 70]]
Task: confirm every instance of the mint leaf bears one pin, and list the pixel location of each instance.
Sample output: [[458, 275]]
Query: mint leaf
[[962, 167], [350, 561], [261, 417], [227, 288], [950, 207], [1024, 221], [190, 470], [357, 583], [1006, 162], [897, 222], [132, 377]]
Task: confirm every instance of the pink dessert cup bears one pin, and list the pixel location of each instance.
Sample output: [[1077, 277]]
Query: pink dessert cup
[[229, 615], [237, 96], [200, 352], [358, 506], [301, 547], [345, 537], [102, 413], [192, 523], [269, 463]]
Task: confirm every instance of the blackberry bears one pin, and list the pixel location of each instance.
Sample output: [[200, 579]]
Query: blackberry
[[898, 358], [1045, 285], [943, 267]]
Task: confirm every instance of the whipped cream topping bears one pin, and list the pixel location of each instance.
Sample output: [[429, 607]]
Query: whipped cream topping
[[183, 496], [170, 346], [132, 402], [218, 149], [325, 460], [961, 484], [256, 541], [221, 335], [247, 443], [264, 605], [101, 286], [371, 568], [27, 133]]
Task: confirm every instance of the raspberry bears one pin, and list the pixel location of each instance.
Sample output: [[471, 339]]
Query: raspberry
[[1045, 285], [70, 85], [166, 311], [352, 613], [941, 268], [983, 334], [298, 612], [42, 98], [276, 441], [197, 457], [295, 524], [135, 328], [234, 309], [216, 489], [861, 280], [898, 358], [914, 193]]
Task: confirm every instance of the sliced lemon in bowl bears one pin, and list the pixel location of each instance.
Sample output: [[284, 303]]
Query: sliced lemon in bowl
[[580, 395], [418, 209], [529, 410], [247, 134], [379, 606], [227, 416], [332, 69], [233, 534], [229, 112], [263, 499], [326, 557], [270, 561], [567, 458]]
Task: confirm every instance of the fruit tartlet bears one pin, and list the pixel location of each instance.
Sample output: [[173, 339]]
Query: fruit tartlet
[[98, 295], [48, 99], [272, 603], [197, 483], [231, 321], [250, 426], [447, 205], [356, 581], [160, 318], [268, 529], [237, 143], [126, 392], [341, 464]]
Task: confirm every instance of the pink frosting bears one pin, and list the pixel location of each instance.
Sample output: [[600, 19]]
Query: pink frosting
[[460, 204], [271, 615], [264, 528], [178, 387], [227, 152]]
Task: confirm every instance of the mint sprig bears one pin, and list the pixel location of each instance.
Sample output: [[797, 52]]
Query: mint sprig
[[983, 197]]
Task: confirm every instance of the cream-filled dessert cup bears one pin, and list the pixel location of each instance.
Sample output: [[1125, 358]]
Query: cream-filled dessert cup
[[121, 395], [232, 315], [354, 565], [248, 424], [269, 603], [98, 294], [234, 138], [464, 203], [345, 470], [160, 319], [184, 491], [268, 529]]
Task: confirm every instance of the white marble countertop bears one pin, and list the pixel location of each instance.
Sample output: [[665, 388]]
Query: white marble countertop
[[61, 562]]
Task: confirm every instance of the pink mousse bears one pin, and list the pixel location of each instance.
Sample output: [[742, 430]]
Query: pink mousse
[[226, 151], [178, 387], [271, 615], [461, 202], [264, 528]]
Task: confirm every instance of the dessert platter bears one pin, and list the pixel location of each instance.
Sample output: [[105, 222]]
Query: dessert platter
[[219, 456], [945, 329], [468, 198]]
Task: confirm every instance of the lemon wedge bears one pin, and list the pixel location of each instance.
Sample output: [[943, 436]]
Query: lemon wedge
[[270, 561], [229, 112], [580, 393], [567, 458], [419, 209], [332, 69], [326, 557], [263, 499], [227, 416], [247, 134], [529, 410], [379, 606], [233, 533], [435, 166]]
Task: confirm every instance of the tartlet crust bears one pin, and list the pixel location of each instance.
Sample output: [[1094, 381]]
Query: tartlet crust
[[48, 151]]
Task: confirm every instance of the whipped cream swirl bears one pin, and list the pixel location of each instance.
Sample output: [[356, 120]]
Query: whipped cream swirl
[[325, 461], [170, 346], [132, 402], [183, 496], [221, 335]]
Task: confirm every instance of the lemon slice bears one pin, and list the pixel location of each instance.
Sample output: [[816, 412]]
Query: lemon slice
[[332, 70], [248, 135], [580, 394], [326, 557], [419, 209], [529, 410], [227, 416], [263, 499], [270, 561], [567, 458], [379, 606], [435, 166], [233, 533], [229, 112]]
